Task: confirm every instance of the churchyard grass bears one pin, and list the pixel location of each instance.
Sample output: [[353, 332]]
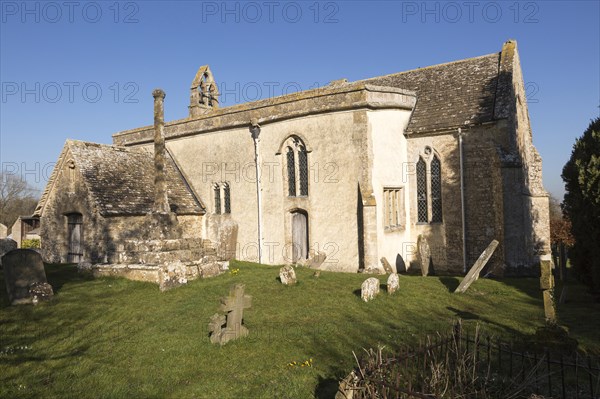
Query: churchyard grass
[[115, 338]]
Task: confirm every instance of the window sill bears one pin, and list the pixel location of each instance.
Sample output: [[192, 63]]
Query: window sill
[[393, 229]]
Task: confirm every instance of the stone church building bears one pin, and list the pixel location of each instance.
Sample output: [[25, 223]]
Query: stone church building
[[353, 171]]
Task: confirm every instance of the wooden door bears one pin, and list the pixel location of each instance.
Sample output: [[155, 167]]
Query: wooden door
[[299, 236], [75, 237]]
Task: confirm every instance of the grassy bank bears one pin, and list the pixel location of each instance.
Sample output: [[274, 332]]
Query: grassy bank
[[114, 338]]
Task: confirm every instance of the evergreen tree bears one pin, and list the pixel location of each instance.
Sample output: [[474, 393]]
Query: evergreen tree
[[582, 204]]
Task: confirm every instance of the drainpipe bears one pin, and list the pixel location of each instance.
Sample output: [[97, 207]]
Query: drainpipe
[[255, 131], [462, 199]]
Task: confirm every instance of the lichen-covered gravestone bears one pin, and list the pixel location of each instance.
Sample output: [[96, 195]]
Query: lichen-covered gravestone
[[393, 283], [369, 289], [424, 255], [6, 245], [287, 275], [25, 277], [234, 304], [172, 275]]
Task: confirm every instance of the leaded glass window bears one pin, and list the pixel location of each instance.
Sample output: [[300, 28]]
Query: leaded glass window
[[227, 198], [421, 191], [217, 191], [291, 172], [436, 190], [303, 170]]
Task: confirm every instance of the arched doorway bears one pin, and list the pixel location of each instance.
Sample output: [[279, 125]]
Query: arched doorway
[[75, 237], [299, 235]]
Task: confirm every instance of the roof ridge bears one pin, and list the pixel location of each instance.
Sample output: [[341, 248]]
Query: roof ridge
[[497, 53]]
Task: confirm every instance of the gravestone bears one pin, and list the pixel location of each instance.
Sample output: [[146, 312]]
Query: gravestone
[[6, 245], [369, 289], [424, 255], [393, 283], [287, 275], [234, 304], [547, 287], [400, 264], [386, 265], [227, 242], [473, 274], [25, 277], [172, 275], [316, 260]]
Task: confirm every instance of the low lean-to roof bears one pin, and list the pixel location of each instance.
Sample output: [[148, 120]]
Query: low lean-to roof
[[121, 180], [450, 95]]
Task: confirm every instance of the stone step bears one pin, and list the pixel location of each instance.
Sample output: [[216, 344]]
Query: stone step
[[162, 245], [161, 257]]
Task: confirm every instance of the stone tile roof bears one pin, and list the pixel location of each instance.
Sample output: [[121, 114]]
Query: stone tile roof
[[121, 180], [449, 95]]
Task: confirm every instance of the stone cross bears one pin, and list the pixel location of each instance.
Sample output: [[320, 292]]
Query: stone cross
[[473, 274], [234, 304]]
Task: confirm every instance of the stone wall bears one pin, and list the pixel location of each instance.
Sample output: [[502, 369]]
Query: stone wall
[[334, 128]]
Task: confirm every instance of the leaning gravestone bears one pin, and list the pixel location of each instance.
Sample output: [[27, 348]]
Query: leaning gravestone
[[25, 277], [287, 275], [424, 255], [386, 265], [234, 304], [369, 289], [316, 260], [473, 274], [393, 283], [6, 245]]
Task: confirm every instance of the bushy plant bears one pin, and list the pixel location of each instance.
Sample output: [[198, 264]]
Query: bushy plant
[[31, 243]]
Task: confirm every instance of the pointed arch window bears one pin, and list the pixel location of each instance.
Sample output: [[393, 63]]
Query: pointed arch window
[[436, 190], [226, 198], [303, 170], [217, 192], [291, 172], [296, 167], [429, 188], [421, 191]]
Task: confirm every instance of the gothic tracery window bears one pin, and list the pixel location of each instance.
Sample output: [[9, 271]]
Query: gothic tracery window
[[296, 167]]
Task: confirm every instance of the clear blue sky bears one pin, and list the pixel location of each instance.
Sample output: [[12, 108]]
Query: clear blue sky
[[85, 70]]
